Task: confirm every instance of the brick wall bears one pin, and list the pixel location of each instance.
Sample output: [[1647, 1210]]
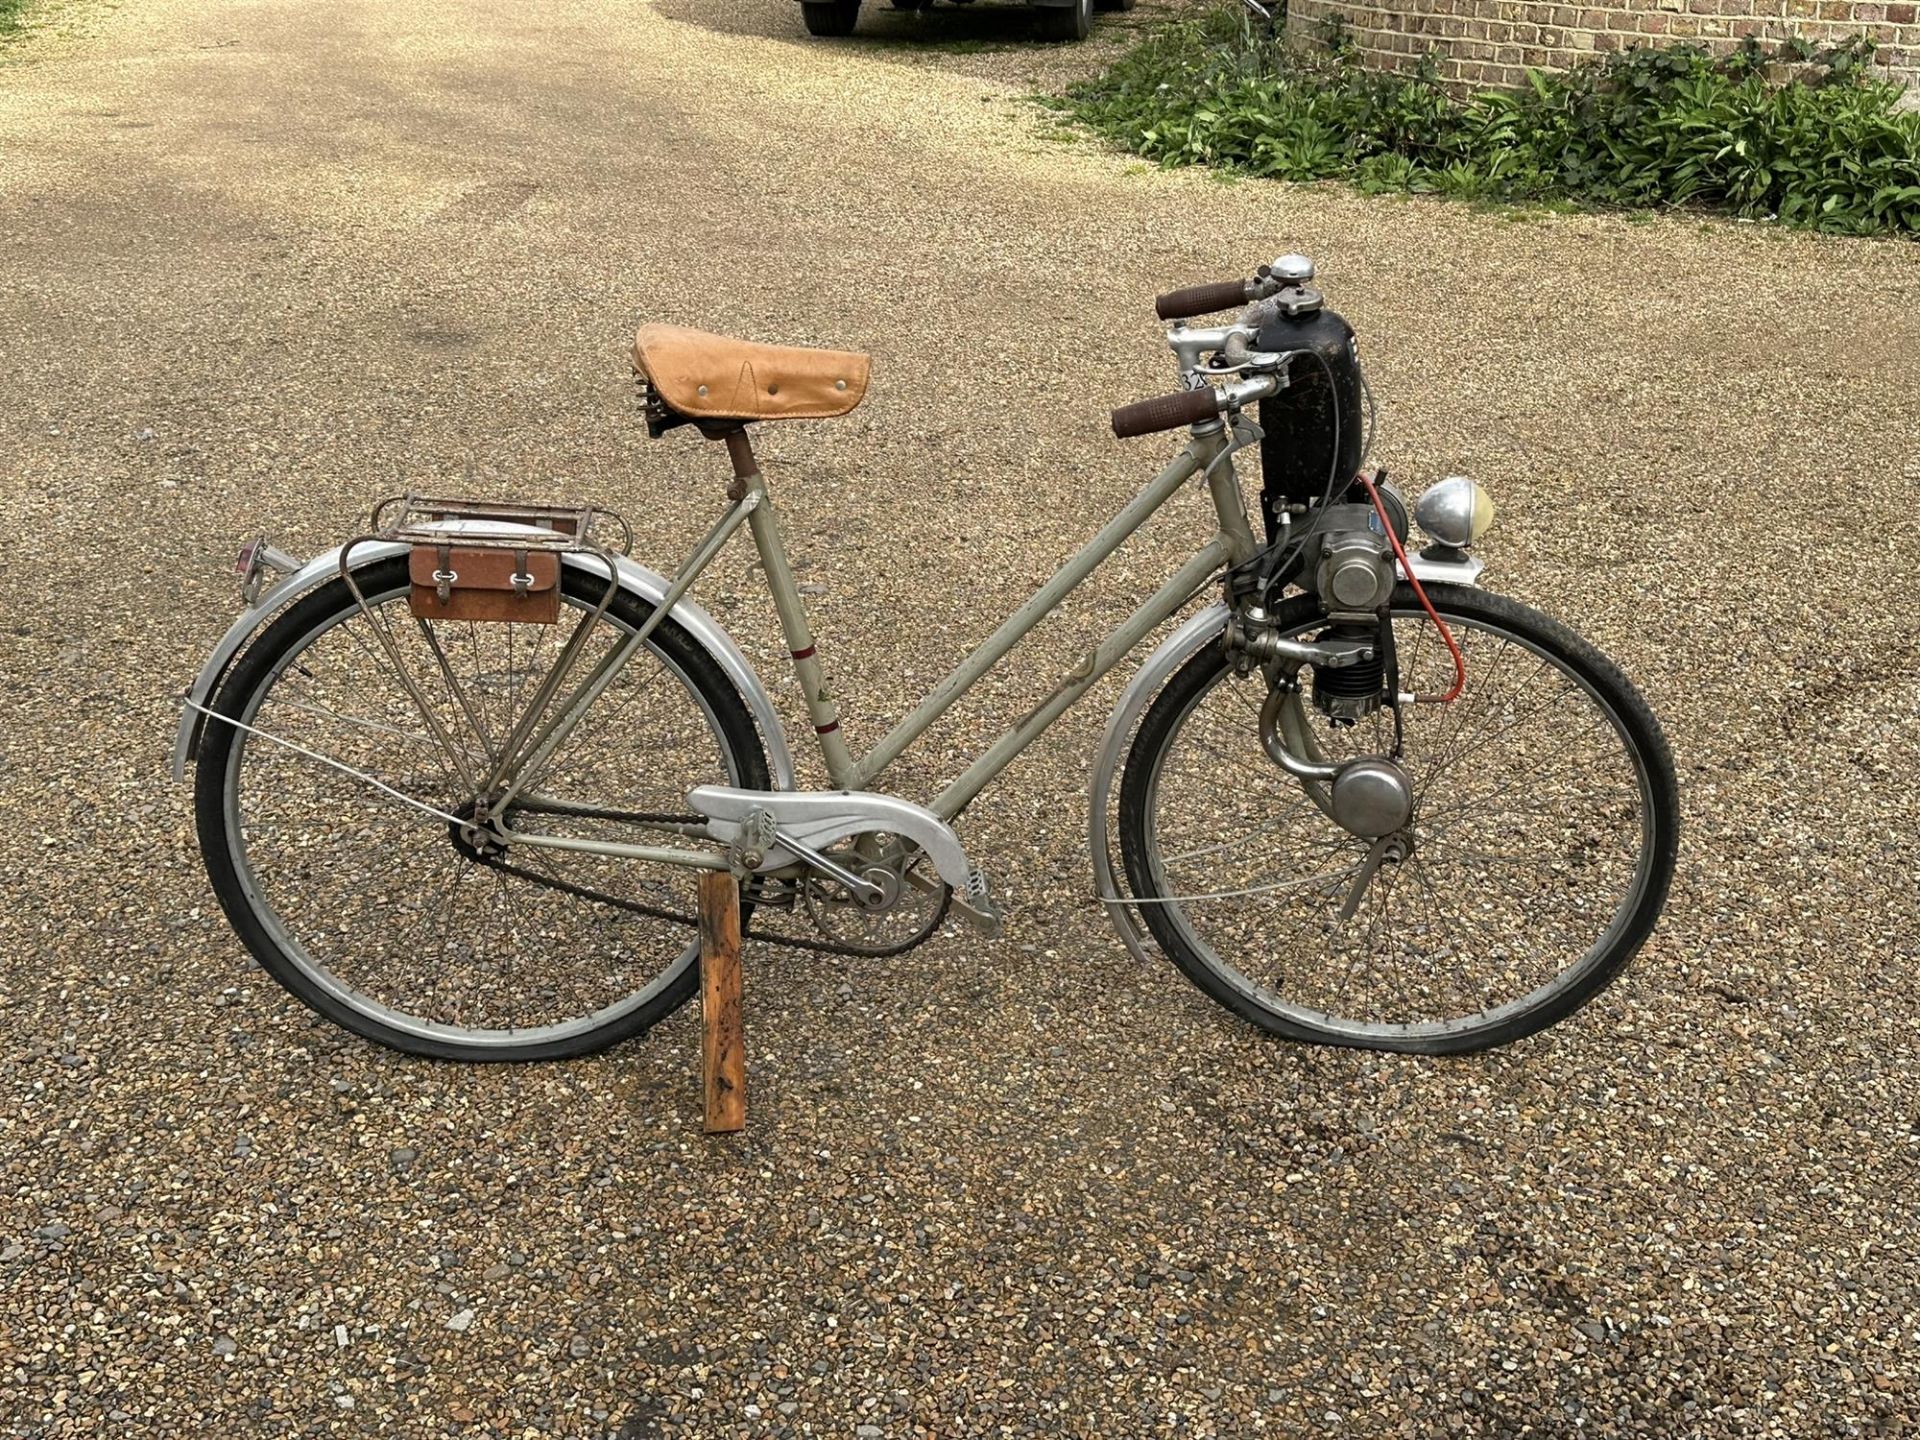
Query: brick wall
[[1493, 42]]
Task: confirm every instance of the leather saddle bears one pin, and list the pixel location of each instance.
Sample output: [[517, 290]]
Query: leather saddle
[[716, 378]]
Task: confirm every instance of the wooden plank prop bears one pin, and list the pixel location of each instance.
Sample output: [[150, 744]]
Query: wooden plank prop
[[723, 1054]]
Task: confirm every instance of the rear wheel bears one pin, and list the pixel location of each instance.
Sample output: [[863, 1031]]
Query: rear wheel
[[830, 18], [1542, 840], [406, 926], [1067, 22]]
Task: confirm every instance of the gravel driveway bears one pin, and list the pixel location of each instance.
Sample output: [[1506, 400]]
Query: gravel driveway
[[266, 260]]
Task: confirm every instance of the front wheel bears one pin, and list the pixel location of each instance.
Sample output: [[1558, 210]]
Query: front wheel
[[330, 815], [1544, 828], [830, 18]]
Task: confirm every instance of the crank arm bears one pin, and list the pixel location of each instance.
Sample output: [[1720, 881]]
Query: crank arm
[[858, 888]]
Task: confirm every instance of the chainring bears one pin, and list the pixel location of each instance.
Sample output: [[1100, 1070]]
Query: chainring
[[912, 902]]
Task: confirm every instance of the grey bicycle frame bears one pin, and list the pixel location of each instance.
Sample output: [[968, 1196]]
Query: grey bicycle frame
[[1209, 452], [1231, 545]]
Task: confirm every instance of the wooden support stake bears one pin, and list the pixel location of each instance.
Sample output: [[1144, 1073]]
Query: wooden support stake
[[723, 1053]]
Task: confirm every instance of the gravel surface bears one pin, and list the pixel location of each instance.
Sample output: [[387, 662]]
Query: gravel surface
[[267, 260]]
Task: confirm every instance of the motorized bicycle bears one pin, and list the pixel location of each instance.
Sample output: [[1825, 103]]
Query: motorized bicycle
[[452, 776]]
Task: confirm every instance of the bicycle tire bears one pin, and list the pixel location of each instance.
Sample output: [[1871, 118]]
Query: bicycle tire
[[240, 695], [1255, 1002]]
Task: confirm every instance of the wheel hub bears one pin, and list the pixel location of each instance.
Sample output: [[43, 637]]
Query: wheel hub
[[474, 836]]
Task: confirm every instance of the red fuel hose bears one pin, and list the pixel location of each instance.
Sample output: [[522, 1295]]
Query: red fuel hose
[[1393, 539]]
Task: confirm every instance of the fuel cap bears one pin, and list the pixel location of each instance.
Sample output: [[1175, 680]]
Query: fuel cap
[[1298, 300]]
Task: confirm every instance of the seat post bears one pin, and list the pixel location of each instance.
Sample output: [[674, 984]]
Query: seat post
[[765, 525], [745, 467]]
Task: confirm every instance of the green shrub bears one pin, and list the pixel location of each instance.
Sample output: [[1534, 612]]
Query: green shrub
[[1804, 136]]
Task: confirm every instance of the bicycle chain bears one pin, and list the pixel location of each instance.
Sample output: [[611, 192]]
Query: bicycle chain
[[638, 907]]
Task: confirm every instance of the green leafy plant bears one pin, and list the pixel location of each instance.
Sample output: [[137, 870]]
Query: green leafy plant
[[1796, 133]]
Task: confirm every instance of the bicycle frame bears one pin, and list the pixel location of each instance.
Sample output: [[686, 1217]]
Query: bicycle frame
[[1208, 453], [1232, 544]]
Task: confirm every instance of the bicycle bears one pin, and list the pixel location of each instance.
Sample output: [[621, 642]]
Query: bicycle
[[448, 774]]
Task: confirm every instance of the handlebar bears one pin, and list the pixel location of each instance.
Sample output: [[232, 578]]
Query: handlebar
[[1202, 299], [1288, 270], [1263, 373], [1166, 412], [1191, 407]]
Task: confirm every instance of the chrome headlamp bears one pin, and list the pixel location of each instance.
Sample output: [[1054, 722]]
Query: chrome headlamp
[[1455, 511]]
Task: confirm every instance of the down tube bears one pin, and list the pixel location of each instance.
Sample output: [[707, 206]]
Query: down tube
[[1155, 609]]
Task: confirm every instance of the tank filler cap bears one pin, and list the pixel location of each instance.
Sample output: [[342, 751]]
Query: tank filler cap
[[1292, 269], [1298, 300]]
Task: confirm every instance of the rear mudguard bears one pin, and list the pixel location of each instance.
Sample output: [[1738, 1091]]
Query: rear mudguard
[[647, 584]]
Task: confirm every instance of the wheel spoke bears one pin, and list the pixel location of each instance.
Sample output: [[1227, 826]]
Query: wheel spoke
[[377, 907]]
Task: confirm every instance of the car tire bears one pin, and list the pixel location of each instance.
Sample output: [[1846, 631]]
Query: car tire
[[830, 19], [1067, 22]]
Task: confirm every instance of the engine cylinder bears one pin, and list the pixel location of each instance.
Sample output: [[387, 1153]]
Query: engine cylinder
[[1346, 693]]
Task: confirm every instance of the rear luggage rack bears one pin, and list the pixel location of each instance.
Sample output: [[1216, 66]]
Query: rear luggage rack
[[463, 522], [486, 561]]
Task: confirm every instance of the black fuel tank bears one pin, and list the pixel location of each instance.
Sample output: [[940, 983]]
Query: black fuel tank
[[1314, 426]]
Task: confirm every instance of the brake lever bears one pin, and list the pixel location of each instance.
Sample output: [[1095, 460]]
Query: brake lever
[[1248, 360]]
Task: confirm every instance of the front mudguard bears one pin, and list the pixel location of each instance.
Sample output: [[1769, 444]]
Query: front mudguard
[[647, 584], [1190, 639]]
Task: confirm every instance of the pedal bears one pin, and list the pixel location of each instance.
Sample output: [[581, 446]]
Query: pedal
[[973, 902]]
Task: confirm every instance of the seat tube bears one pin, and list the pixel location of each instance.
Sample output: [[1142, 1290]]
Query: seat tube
[[767, 539]]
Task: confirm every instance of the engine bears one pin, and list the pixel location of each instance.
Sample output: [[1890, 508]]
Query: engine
[[1352, 569]]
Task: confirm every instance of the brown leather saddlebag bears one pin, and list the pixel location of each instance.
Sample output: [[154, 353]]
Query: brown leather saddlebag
[[469, 582]]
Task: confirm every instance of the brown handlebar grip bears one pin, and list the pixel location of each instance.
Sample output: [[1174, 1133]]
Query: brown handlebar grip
[[1200, 300], [1166, 412]]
